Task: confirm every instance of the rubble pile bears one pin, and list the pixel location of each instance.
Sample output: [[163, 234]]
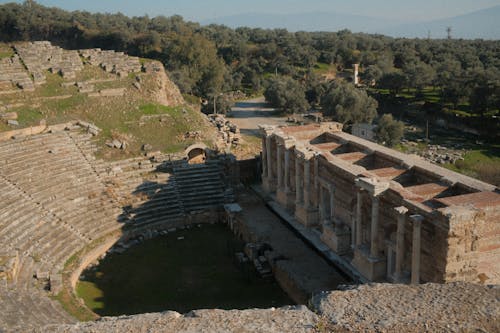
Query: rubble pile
[[228, 132]]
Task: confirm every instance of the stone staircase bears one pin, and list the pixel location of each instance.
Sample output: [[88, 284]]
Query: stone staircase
[[201, 186]]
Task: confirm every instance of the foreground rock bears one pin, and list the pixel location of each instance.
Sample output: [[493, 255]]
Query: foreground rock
[[454, 307], [288, 319]]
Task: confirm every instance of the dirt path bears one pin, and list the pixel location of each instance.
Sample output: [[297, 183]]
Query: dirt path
[[251, 113]]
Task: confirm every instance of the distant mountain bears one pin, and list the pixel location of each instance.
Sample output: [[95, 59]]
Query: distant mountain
[[480, 24], [313, 21]]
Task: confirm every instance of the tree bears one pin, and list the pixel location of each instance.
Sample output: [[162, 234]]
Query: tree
[[348, 104], [393, 81], [315, 88], [371, 74], [223, 104], [454, 92], [286, 94], [389, 131], [419, 74], [484, 89]]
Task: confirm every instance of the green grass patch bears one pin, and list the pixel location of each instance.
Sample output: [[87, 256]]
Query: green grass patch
[[5, 51], [90, 72], [322, 68], [57, 106], [6, 54], [171, 274], [483, 163], [53, 86], [28, 116], [191, 99], [154, 109], [114, 84], [68, 300]]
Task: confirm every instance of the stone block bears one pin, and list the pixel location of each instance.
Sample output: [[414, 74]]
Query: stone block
[[337, 238], [309, 217], [373, 269], [286, 199]]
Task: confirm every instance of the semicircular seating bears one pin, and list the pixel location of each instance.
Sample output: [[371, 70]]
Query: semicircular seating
[[56, 198]]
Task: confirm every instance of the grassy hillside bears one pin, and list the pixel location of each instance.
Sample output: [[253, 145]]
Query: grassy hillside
[[134, 117]]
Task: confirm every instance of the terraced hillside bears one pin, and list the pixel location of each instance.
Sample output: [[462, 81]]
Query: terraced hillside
[[130, 99]]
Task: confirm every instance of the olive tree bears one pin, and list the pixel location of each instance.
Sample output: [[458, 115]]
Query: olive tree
[[348, 104], [286, 94], [389, 131]]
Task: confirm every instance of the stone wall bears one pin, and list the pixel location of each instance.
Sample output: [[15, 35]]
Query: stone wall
[[473, 246]]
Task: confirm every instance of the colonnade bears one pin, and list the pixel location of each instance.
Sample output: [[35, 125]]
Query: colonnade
[[281, 175]]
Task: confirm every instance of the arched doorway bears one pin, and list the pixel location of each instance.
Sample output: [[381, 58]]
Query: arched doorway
[[197, 153]]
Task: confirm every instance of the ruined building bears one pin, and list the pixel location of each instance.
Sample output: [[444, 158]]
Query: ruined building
[[386, 215]]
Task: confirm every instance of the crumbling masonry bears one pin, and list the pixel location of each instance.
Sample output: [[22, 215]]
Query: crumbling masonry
[[391, 216]]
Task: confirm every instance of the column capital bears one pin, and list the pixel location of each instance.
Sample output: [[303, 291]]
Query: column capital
[[303, 153], [267, 130], [288, 143], [372, 185], [402, 210], [416, 219]]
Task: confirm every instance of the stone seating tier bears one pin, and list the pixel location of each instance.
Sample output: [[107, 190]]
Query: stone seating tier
[[57, 197]]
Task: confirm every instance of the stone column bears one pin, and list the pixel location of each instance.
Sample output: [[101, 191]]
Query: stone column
[[307, 183], [298, 185], [331, 189], [359, 217], [264, 157], [316, 174], [279, 166], [321, 203], [400, 241], [287, 170], [374, 228], [325, 213], [415, 253], [353, 230], [269, 158]]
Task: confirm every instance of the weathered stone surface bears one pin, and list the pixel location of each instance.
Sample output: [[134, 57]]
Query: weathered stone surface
[[8, 116], [454, 307], [13, 74], [41, 56], [113, 62], [289, 319]]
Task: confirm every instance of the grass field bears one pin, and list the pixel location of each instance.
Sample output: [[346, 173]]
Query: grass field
[[170, 274], [482, 163]]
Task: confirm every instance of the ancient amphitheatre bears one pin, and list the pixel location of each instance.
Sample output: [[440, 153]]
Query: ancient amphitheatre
[[66, 200]]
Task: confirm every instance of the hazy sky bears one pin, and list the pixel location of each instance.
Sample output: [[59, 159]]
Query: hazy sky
[[206, 9]]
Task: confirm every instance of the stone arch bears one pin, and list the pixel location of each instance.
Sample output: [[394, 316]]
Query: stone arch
[[196, 153]]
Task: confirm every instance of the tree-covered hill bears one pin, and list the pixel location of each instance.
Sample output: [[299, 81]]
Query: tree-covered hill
[[208, 59]]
